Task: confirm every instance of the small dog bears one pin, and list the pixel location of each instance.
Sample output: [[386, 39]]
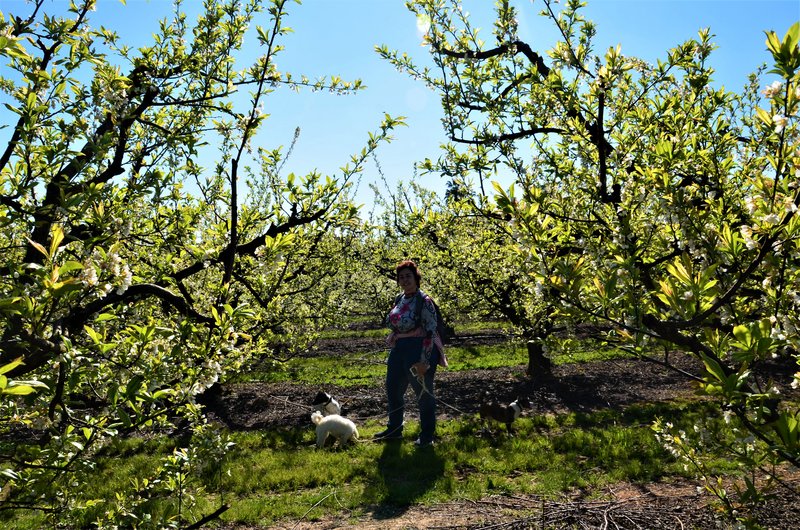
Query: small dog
[[506, 414], [325, 404], [334, 425]]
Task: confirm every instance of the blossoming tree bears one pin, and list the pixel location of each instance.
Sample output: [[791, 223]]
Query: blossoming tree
[[643, 200], [133, 277], [470, 259]]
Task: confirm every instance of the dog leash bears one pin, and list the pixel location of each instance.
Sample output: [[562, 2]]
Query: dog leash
[[299, 405], [421, 381]]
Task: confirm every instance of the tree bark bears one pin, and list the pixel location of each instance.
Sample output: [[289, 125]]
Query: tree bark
[[538, 364]]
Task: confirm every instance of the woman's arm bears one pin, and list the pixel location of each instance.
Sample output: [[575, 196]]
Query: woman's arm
[[428, 325]]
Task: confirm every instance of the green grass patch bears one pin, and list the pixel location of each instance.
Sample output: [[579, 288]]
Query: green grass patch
[[278, 474], [485, 357], [589, 355], [476, 326], [360, 368], [351, 333], [345, 370], [369, 368]]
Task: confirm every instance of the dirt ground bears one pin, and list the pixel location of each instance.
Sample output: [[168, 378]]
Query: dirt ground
[[574, 387]]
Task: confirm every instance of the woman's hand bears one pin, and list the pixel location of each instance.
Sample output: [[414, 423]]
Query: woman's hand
[[421, 369]]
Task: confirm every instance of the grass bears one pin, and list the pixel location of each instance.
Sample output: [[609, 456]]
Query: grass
[[369, 368], [359, 368], [345, 334], [277, 474], [272, 475]]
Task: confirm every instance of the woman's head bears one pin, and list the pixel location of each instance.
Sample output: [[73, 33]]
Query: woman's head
[[405, 270]]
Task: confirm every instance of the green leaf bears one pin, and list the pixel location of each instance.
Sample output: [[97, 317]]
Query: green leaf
[[742, 334], [133, 386], [787, 428], [773, 43], [164, 392], [18, 390], [70, 266], [58, 237], [33, 383], [10, 366], [125, 417], [94, 335], [9, 473], [714, 368], [794, 33], [38, 247], [11, 47]]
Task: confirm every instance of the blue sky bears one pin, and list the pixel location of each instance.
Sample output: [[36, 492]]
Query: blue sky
[[338, 36]]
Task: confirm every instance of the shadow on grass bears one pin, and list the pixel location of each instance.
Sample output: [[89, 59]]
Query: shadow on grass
[[405, 475]]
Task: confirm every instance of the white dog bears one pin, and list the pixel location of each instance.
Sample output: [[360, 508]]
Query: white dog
[[334, 425]]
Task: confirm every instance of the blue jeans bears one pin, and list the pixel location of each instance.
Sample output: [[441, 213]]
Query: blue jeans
[[405, 353]]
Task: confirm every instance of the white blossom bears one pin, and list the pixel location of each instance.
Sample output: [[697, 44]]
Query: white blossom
[[127, 278], [726, 415], [747, 234], [773, 89], [750, 204], [780, 122], [89, 275]]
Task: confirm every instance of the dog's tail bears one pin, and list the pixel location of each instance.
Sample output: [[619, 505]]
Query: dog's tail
[[316, 417]]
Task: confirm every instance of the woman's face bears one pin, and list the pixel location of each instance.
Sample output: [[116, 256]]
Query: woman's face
[[407, 281]]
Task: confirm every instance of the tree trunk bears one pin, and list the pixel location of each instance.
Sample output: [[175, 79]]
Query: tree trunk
[[538, 364]]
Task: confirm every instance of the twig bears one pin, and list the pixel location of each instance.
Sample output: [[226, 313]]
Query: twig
[[287, 402], [210, 517], [314, 506]]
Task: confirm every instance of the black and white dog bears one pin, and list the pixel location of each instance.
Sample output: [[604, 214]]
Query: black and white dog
[[326, 404], [506, 414]]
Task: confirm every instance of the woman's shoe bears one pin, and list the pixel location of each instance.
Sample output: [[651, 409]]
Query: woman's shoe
[[389, 434]]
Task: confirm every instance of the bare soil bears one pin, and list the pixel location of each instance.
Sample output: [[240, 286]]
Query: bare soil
[[583, 387]]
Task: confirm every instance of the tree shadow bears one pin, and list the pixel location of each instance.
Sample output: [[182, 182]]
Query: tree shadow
[[406, 474]]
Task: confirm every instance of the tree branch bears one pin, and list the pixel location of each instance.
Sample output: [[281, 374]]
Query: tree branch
[[135, 292], [510, 136], [595, 130], [208, 518]]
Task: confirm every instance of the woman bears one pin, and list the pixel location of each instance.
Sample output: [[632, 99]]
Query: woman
[[416, 349]]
